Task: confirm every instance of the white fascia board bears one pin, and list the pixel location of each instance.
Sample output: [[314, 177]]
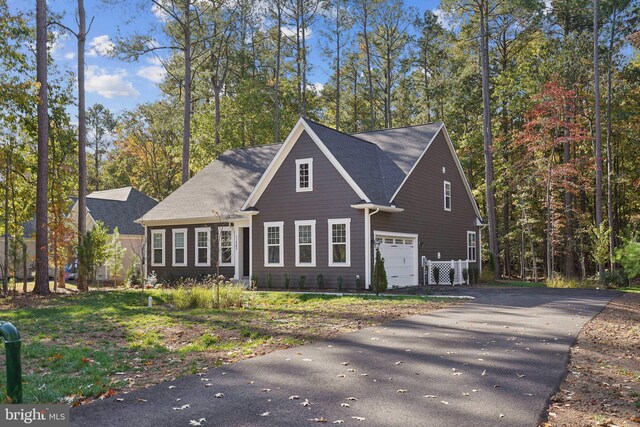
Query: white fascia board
[[183, 221], [281, 155], [381, 208]]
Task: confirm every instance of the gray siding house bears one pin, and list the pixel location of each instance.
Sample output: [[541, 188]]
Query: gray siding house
[[320, 203]]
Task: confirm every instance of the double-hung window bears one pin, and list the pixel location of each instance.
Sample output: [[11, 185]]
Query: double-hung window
[[306, 243], [203, 247], [225, 245], [273, 244], [304, 175], [447, 196], [471, 246], [157, 248], [179, 247], [339, 242]]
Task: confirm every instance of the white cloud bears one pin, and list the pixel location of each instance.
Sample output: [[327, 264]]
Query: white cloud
[[57, 43], [316, 87], [154, 60], [153, 73], [291, 32], [69, 55], [101, 46], [108, 84], [160, 14], [445, 19]]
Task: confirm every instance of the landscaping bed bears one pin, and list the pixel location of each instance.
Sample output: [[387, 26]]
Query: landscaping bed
[[602, 387], [77, 348]]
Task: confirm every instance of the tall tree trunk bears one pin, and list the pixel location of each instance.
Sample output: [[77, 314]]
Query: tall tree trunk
[[304, 60], [486, 130], [610, 200], [367, 48], [186, 136], [82, 141], [5, 275], [42, 247], [338, 20], [276, 124], [569, 259], [426, 86], [24, 268], [598, 147], [298, 57]]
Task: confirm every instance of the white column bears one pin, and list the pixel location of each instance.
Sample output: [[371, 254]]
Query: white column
[[367, 249]]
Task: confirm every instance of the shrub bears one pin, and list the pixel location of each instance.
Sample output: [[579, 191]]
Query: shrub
[[134, 272], [487, 276], [379, 274], [629, 257], [340, 282], [616, 278], [203, 296], [301, 281], [286, 281], [562, 282], [268, 280], [465, 275], [452, 274], [436, 274], [254, 281], [320, 281]]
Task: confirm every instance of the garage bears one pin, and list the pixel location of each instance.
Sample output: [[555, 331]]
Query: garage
[[400, 253]]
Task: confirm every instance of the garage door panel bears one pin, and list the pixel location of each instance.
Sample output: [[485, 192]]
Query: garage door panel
[[399, 259]]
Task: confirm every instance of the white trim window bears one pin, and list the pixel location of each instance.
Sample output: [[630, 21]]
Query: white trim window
[[447, 196], [157, 248], [179, 241], [339, 242], [471, 246], [304, 175], [306, 243], [203, 247], [273, 244], [225, 246]]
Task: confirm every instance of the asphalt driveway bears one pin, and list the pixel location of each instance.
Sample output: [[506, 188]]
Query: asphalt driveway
[[493, 361]]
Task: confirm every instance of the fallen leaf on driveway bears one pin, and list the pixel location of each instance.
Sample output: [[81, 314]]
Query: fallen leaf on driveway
[[265, 414], [119, 399], [341, 376], [401, 391], [501, 415], [306, 360], [457, 373], [265, 390], [306, 403], [399, 362], [484, 373], [338, 422], [520, 375], [171, 386], [294, 397], [141, 400], [344, 363], [318, 420], [181, 408], [219, 395], [359, 418], [345, 405], [430, 396], [445, 402], [351, 398]]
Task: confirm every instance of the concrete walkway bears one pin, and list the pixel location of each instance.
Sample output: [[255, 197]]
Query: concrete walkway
[[493, 361]]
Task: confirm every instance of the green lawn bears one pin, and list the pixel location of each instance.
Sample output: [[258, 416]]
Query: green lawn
[[82, 346]]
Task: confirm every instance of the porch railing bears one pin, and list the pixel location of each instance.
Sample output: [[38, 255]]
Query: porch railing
[[445, 267]]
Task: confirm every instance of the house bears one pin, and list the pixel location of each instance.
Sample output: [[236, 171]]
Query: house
[[118, 207], [320, 203]]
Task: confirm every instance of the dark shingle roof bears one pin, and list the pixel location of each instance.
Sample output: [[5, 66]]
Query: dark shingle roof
[[119, 207], [374, 171], [403, 145], [221, 186]]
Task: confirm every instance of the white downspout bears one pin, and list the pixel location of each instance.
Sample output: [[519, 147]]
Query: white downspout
[[367, 246], [250, 248]]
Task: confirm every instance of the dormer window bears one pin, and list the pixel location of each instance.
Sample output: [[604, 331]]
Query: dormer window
[[304, 175]]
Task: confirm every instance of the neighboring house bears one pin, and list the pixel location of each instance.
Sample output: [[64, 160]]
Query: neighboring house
[[320, 203], [119, 207], [28, 238]]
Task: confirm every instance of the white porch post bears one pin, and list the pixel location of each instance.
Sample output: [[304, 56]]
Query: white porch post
[[250, 247], [144, 260], [367, 249], [479, 258]]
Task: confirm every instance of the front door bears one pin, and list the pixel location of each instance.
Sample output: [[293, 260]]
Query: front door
[[245, 252]]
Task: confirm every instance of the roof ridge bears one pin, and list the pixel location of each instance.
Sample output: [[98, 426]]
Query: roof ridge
[[339, 131], [394, 128]]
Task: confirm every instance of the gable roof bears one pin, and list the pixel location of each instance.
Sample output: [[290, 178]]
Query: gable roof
[[120, 208], [403, 145], [374, 171], [222, 187]]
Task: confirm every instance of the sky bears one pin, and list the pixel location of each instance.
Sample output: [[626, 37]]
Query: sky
[[121, 85]]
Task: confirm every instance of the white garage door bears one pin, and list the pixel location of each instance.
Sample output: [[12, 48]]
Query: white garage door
[[399, 259]]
